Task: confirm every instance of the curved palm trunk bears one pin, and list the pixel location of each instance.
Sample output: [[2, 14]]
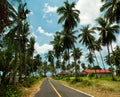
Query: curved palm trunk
[[102, 59], [93, 65], [15, 68], [110, 60], [96, 58]]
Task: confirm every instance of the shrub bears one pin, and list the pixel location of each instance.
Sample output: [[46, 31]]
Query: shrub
[[10, 91], [90, 75], [30, 81]]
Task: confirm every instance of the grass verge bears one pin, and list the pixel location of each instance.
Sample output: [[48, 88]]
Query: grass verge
[[32, 90], [101, 87]]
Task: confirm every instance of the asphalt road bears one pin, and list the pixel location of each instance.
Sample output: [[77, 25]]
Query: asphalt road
[[51, 88]]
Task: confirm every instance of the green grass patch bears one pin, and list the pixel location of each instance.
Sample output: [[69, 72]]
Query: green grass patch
[[30, 81]]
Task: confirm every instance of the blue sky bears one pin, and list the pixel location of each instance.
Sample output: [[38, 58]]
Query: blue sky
[[43, 20]]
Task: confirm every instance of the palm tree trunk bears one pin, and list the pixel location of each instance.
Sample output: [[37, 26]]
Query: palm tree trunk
[[110, 60], [102, 59], [93, 65], [96, 58], [14, 71]]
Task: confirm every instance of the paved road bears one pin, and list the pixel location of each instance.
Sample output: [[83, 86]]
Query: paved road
[[51, 88]]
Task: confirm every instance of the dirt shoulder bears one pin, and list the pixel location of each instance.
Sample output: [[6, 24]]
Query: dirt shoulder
[[30, 92]]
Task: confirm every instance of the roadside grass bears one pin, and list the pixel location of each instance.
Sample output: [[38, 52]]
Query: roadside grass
[[31, 90], [100, 87]]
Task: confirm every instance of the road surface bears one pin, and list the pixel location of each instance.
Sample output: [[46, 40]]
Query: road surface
[[51, 88]]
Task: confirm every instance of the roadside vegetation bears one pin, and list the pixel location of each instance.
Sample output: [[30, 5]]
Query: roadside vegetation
[[100, 87], [20, 65]]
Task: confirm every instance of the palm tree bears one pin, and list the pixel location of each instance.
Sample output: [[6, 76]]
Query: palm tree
[[57, 45], [69, 16], [76, 53], [31, 51], [50, 57], [90, 58], [88, 39], [112, 10], [5, 14], [107, 33], [99, 48], [45, 68]]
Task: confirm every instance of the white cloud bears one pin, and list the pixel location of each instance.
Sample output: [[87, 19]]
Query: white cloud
[[89, 10], [43, 48], [49, 9], [41, 30], [50, 21], [32, 34]]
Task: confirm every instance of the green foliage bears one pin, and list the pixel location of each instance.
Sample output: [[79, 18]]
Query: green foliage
[[90, 75], [86, 83], [10, 91], [73, 81], [30, 81], [59, 77]]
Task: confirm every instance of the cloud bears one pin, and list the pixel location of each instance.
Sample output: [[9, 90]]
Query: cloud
[[41, 30], [49, 9], [50, 21], [89, 10], [43, 48], [32, 34]]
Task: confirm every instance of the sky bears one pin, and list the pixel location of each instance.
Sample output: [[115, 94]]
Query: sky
[[43, 20]]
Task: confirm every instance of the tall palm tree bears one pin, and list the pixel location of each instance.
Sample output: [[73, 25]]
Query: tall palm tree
[[58, 48], [57, 45], [50, 57], [107, 34], [69, 16], [88, 39], [90, 58], [76, 53], [31, 51], [112, 10], [99, 48]]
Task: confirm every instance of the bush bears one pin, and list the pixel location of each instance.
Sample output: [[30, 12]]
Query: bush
[[10, 91], [91, 75], [74, 81], [59, 77], [30, 81], [86, 83]]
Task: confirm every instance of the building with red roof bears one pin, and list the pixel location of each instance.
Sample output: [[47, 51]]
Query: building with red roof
[[98, 72]]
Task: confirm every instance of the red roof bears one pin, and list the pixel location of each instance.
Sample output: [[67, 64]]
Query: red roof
[[63, 73], [97, 71]]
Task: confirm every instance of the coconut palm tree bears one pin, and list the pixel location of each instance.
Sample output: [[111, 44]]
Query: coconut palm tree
[[57, 46], [69, 16], [107, 33], [76, 53], [90, 58], [31, 49], [50, 57], [88, 39], [99, 49], [112, 10]]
